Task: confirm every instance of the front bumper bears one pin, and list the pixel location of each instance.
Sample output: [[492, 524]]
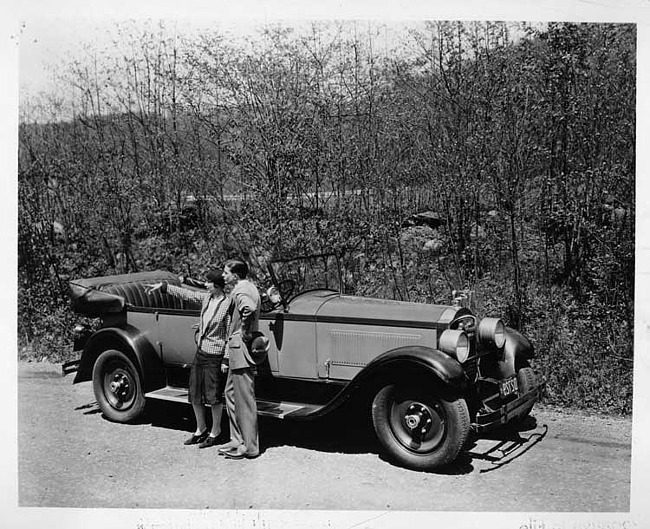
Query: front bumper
[[509, 411]]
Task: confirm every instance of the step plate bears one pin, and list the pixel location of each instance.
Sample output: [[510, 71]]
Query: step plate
[[279, 410], [169, 393]]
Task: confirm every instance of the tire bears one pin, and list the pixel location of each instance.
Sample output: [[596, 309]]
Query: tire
[[117, 387], [419, 430], [526, 380]]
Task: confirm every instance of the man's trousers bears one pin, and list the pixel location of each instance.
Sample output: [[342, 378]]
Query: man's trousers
[[242, 410]]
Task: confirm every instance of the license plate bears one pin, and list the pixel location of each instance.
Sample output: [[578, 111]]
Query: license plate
[[508, 387]]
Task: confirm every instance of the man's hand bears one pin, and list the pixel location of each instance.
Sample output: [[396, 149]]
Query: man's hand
[[150, 289]]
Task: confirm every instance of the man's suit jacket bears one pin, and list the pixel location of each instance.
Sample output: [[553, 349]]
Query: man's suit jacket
[[245, 320]]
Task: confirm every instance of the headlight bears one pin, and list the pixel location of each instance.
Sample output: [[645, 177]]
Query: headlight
[[455, 343], [492, 330]]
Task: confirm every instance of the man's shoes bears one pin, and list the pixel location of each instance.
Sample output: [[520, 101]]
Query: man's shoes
[[209, 442], [196, 438], [226, 447], [230, 452], [238, 453]]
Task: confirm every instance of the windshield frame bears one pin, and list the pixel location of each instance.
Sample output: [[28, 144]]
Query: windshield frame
[[276, 281]]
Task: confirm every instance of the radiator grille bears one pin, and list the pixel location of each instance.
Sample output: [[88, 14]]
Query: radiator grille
[[471, 369]]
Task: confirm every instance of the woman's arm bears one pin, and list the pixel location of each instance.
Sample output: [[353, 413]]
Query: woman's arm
[[179, 292]]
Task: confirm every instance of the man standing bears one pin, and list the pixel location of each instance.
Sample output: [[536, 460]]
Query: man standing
[[240, 385]]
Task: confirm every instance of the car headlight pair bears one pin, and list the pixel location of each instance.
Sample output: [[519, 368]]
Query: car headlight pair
[[455, 342]]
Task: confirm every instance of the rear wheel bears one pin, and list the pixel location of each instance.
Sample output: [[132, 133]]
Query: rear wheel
[[419, 430], [117, 386]]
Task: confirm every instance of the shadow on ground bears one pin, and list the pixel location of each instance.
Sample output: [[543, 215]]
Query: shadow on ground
[[351, 432], [502, 446]]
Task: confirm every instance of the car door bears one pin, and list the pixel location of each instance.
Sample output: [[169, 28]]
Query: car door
[[292, 351], [176, 331]]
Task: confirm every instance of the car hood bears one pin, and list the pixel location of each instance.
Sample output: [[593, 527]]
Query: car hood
[[331, 306]]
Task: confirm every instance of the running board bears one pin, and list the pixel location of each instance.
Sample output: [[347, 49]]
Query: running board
[[169, 393], [279, 410]]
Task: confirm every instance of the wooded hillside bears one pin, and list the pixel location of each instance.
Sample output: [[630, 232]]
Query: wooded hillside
[[176, 152]]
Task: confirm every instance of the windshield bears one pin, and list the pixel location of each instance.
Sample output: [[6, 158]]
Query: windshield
[[293, 276]]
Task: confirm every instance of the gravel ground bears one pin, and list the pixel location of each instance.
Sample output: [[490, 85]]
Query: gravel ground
[[70, 456]]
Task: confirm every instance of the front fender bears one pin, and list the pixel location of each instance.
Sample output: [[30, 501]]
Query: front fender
[[517, 351], [447, 369], [408, 361], [403, 364], [132, 343]]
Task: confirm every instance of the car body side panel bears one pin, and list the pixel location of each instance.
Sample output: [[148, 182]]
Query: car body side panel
[[352, 331], [175, 335], [297, 356], [347, 332], [292, 335], [292, 344], [344, 349], [146, 324]]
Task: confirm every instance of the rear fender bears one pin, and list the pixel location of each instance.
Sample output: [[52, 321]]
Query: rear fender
[[132, 343]]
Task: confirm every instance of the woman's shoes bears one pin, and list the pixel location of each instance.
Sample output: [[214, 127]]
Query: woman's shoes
[[203, 439], [196, 438], [208, 442]]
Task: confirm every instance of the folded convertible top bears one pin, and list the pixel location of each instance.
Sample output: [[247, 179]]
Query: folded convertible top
[[96, 296]]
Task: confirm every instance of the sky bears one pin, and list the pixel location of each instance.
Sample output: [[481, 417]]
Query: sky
[[50, 32], [47, 42], [37, 34]]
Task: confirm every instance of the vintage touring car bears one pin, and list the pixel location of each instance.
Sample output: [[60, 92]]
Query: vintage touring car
[[429, 374]]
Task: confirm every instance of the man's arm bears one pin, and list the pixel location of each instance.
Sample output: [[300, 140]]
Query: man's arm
[[247, 308]]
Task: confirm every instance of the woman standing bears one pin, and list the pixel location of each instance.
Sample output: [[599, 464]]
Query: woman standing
[[206, 380]]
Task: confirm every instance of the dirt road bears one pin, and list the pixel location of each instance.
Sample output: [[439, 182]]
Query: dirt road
[[70, 456]]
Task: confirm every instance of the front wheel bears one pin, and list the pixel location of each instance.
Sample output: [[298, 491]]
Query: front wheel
[[117, 387], [417, 429]]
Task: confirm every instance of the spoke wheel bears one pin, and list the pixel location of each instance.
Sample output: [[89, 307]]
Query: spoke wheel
[[117, 386], [419, 430]]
